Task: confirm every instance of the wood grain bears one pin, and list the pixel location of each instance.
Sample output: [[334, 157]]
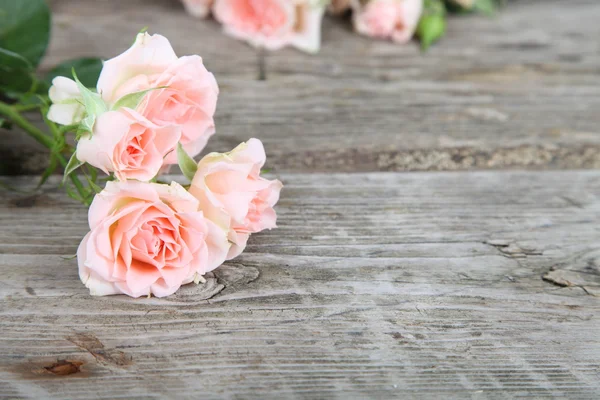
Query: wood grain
[[382, 285], [520, 90]]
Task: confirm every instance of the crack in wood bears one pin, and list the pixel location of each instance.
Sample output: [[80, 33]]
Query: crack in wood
[[512, 250], [589, 282], [91, 344], [262, 65]]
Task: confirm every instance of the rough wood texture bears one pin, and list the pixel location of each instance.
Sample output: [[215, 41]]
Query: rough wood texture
[[520, 90], [375, 286]]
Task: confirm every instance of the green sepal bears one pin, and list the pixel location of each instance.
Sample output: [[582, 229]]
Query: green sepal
[[93, 103], [72, 165]]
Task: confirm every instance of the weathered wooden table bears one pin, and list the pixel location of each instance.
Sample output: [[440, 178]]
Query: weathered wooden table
[[378, 284]]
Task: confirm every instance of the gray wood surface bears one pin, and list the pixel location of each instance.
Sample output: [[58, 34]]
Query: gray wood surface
[[449, 285], [381, 285], [521, 90]]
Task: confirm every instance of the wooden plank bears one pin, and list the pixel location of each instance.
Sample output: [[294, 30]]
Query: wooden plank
[[517, 91], [375, 286]]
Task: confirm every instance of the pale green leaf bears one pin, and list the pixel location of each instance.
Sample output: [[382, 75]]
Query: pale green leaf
[[133, 100], [186, 163]]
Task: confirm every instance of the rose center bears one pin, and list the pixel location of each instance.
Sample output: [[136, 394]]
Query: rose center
[[134, 153]]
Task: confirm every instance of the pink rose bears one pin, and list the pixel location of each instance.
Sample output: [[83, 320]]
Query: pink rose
[[390, 19], [126, 143], [234, 196], [186, 95], [147, 238], [272, 24], [198, 8]]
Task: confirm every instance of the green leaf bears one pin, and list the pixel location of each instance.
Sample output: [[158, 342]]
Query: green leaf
[[133, 100], [25, 28], [72, 165], [88, 71], [10, 59], [186, 163], [431, 27], [16, 73]]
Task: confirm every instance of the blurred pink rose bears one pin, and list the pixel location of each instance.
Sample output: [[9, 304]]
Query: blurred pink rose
[[187, 95], [272, 24], [198, 8], [234, 196], [126, 143], [147, 238], [389, 19]]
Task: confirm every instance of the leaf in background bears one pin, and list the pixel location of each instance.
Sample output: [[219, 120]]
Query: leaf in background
[[432, 24], [30, 100], [186, 163], [430, 29], [25, 28], [10, 59], [88, 71], [16, 73]]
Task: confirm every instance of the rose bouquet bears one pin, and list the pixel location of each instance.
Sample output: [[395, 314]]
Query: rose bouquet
[[151, 109], [273, 24], [147, 110]]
